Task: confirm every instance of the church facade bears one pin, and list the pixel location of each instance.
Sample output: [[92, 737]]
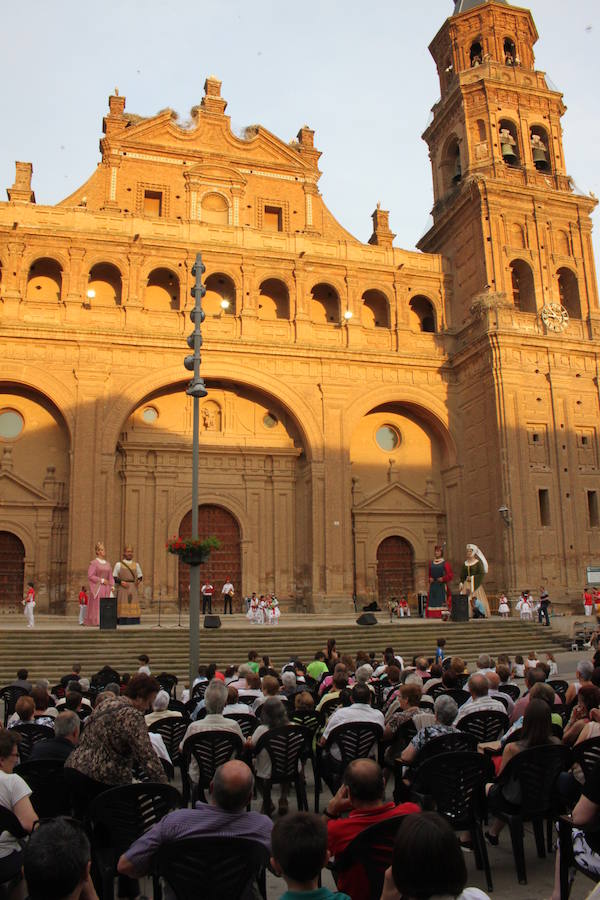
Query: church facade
[[364, 402]]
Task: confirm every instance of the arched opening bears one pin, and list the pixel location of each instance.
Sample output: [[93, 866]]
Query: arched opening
[[451, 164], [563, 243], [12, 570], [219, 299], [476, 54], [374, 311], [104, 285], [162, 290], [223, 564], [568, 289], [510, 52], [44, 281], [324, 304], [273, 300], [395, 568], [509, 143], [214, 209], [523, 287], [540, 148], [422, 315]]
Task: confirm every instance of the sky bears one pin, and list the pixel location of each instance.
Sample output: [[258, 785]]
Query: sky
[[358, 73]]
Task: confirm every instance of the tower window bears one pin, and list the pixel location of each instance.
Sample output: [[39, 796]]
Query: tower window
[[523, 288], [568, 291], [539, 148], [272, 218], [510, 53], [153, 203], [476, 54], [451, 164], [544, 504], [509, 143], [592, 500]]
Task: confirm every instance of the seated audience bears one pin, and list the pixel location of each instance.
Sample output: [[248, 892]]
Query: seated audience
[[445, 710], [304, 702], [532, 676], [160, 709], [360, 710], [588, 698], [57, 862], [289, 685], [241, 683], [23, 714], [44, 713], [361, 801], [233, 706], [214, 720], [392, 682], [479, 700], [73, 675], [519, 666], [22, 680], [583, 674], [405, 710], [299, 848], [73, 687], [339, 681], [585, 835], [224, 816], [67, 726], [266, 669], [536, 732], [253, 682], [253, 662], [428, 862], [493, 680], [436, 673], [273, 714], [317, 667], [270, 688], [484, 664], [539, 691], [14, 795]]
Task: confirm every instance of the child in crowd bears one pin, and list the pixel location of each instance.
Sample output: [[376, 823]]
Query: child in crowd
[[83, 605], [552, 665], [532, 661], [299, 848], [503, 607], [439, 652], [519, 667], [29, 604]]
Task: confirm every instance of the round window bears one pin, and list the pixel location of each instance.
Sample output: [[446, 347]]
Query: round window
[[270, 421], [388, 438], [11, 424], [150, 415]]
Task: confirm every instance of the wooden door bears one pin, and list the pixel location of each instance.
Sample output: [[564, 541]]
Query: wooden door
[[395, 568], [12, 570], [222, 564]]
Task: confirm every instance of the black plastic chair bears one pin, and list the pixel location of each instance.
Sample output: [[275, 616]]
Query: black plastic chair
[[106, 675], [328, 707], [513, 691], [247, 722], [198, 692], [354, 740], [536, 771], [168, 683], [502, 700], [568, 864], [456, 783], [210, 749], [30, 735], [560, 687], [287, 748], [178, 706], [51, 795], [172, 729], [436, 690], [487, 725], [452, 742], [458, 695], [587, 754], [9, 696], [372, 850], [10, 823], [308, 718], [214, 868], [246, 699], [121, 815]]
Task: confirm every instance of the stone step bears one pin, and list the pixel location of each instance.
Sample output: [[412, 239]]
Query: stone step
[[49, 653]]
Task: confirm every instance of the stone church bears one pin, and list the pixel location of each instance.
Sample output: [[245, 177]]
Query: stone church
[[365, 402]]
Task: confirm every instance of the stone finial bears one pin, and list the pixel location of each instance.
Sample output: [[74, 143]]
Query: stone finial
[[306, 146], [212, 102], [21, 191], [7, 465], [115, 120], [116, 104], [382, 235]]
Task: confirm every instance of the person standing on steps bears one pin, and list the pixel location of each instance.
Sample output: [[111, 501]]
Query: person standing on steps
[[227, 591], [207, 590], [29, 604]]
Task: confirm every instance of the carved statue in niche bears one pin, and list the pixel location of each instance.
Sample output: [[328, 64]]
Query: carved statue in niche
[[210, 415]]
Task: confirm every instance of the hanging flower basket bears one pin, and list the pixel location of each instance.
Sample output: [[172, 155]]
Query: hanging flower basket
[[193, 552]]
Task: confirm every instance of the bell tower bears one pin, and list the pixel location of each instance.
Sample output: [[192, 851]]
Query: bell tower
[[523, 316], [505, 211]]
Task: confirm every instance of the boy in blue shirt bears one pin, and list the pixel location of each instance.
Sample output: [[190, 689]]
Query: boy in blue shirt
[[299, 848]]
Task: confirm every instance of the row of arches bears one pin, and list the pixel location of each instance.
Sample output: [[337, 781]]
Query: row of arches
[[523, 289], [162, 292]]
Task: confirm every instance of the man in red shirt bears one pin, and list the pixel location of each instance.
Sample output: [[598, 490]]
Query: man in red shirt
[[362, 797]]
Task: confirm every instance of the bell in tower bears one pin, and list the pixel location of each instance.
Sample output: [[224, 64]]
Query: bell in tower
[[507, 147]]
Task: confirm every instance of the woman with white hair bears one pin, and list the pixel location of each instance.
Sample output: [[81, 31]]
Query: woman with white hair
[[446, 710], [160, 709]]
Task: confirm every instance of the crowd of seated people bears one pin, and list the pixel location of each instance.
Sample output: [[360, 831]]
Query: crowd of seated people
[[112, 736]]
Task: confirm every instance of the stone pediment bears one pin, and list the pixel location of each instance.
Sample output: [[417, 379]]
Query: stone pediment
[[395, 498], [15, 491], [210, 173]]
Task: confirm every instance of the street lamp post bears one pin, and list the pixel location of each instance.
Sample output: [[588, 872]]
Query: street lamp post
[[195, 389]]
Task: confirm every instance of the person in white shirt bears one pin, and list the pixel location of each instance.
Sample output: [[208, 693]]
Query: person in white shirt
[[207, 591], [484, 664], [233, 706], [360, 710], [215, 699], [227, 591], [479, 701], [160, 709], [14, 796], [144, 669]]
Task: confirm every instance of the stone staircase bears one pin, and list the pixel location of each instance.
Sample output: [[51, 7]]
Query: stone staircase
[[49, 653]]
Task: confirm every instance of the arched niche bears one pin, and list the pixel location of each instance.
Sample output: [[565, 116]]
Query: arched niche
[[422, 315], [273, 300], [375, 310], [324, 304], [451, 164], [214, 209], [44, 280], [540, 148], [104, 285], [508, 137], [510, 52], [476, 53], [522, 286], [220, 299], [162, 291], [568, 289]]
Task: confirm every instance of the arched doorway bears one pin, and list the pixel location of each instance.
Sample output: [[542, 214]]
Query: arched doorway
[[223, 563], [395, 568], [12, 570]]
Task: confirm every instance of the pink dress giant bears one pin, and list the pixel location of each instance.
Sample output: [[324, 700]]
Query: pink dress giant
[[99, 569]]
